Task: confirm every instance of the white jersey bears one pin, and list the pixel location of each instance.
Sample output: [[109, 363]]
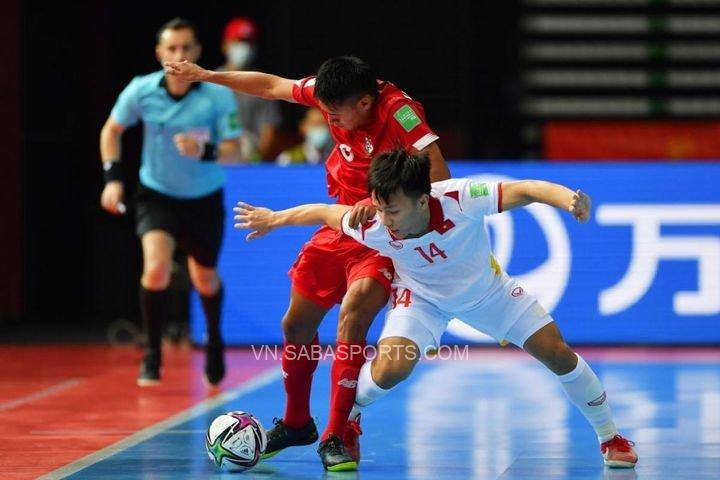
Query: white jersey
[[451, 266]]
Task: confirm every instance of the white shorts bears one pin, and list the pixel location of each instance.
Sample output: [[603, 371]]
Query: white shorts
[[507, 313]]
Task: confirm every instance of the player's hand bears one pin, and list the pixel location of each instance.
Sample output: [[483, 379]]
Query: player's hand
[[360, 214], [581, 206], [187, 146], [257, 219], [112, 197], [185, 71]]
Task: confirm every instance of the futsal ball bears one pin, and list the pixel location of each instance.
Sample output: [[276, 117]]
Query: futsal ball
[[235, 441]]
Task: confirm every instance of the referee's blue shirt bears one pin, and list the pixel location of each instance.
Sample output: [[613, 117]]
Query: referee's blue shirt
[[207, 112]]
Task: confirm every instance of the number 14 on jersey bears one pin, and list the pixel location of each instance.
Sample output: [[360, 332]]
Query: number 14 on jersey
[[433, 251]]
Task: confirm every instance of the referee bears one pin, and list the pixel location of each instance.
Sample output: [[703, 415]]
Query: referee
[[189, 128]]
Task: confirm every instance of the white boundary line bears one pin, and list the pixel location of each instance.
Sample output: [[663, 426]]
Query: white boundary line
[[253, 384], [46, 392]]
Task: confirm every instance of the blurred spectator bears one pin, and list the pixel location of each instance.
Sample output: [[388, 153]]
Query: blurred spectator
[[259, 117], [316, 145]]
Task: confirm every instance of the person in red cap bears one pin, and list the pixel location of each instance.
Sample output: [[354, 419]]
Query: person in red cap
[[258, 117]]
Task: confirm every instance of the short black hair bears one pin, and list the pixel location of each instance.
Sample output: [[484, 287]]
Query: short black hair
[[398, 169], [341, 79], [178, 23]]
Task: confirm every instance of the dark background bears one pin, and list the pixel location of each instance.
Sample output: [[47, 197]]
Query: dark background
[[65, 263]]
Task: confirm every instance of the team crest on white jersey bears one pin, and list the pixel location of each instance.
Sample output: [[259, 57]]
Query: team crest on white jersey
[[396, 244], [369, 147], [346, 152]]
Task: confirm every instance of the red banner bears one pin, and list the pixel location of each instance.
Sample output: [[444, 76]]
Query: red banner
[[623, 140]]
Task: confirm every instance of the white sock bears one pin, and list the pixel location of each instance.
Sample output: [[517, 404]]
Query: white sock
[[367, 391], [585, 391]]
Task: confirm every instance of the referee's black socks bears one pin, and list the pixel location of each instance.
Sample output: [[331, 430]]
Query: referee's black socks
[[153, 308], [212, 306]]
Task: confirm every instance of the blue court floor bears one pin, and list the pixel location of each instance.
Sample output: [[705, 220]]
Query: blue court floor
[[492, 416]]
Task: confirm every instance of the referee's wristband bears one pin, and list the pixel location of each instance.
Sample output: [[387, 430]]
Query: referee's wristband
[[209, 153], [112, 171]]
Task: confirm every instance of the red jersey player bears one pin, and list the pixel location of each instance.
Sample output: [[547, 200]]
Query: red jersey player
[[366, 116]]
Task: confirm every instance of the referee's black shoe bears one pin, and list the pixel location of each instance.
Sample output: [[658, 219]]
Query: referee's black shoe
[[281, 436], [214, 364], [149, 370]]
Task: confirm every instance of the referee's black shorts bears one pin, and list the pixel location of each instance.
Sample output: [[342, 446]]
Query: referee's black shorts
[[196, 224]]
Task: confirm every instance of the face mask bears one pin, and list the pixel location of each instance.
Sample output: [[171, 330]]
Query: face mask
[[318, 136], [240, 54]]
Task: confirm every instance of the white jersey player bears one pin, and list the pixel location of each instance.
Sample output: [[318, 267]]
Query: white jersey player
[[449, 272], [444, 269]]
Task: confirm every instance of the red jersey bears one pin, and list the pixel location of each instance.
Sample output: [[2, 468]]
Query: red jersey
[[396, 121]]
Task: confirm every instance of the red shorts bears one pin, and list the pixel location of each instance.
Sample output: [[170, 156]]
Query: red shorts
[[331, 261]]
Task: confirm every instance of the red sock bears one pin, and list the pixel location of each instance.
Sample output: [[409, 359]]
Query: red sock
[[298, 364], [349, 357]]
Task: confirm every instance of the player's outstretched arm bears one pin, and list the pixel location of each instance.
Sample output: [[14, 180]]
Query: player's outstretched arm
[[262, 220], [257, 84], [525, 192]]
